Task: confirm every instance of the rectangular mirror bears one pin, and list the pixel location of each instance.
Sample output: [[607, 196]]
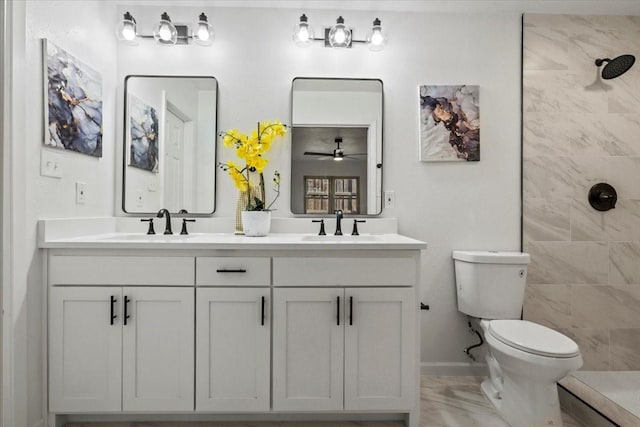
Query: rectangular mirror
[[170, 126], [336, 146]]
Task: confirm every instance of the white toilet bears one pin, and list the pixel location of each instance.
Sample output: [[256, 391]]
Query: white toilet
[[525, 359]]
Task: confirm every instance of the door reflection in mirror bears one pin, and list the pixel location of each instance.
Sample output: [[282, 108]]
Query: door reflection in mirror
[[169, 144]]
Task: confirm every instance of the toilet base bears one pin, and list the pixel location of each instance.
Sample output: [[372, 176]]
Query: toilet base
[[532, 405]]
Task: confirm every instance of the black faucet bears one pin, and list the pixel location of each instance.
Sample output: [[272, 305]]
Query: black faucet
[[150, 221], [321, 221], [163, 213], [339, 216], [355, 226], [184, 225]]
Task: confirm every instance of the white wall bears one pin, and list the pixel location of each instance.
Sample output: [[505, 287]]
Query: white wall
[[449, 205], [84, 29]]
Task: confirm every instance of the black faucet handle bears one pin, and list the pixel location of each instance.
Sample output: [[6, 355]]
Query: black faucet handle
[[355, 226], [338, 212], [184, 225], [321, 221], [150, 221], [183, 211]]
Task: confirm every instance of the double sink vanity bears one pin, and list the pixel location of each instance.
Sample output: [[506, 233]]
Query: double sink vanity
[[212, 325], [217, 326]]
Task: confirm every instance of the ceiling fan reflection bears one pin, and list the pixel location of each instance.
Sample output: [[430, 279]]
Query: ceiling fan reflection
[[338, 153]]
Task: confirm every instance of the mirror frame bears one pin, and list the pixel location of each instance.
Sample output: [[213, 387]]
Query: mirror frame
[[379, 164], [125, 148]]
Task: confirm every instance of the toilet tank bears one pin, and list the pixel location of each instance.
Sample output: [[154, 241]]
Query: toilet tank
[[490, 285]]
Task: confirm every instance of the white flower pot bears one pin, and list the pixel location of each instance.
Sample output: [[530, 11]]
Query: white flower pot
[[256, 223]]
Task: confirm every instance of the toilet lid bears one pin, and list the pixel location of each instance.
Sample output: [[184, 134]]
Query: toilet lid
[[533, 338]]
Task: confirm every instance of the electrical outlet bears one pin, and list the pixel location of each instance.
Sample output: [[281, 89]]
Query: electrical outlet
[[139, 198], [81, 192], [389, 199]]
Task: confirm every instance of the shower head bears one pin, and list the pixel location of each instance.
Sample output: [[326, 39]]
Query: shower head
[[615, 67]]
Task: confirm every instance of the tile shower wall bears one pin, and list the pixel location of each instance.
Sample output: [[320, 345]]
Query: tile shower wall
[[584, 277]]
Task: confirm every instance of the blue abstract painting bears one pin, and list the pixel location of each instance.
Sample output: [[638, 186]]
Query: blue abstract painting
[[73, 107], [143, 133]]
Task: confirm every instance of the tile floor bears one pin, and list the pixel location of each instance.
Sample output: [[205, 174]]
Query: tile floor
[[445, 402]]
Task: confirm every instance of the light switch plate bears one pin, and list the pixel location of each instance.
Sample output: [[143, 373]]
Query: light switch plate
[[50, 164]]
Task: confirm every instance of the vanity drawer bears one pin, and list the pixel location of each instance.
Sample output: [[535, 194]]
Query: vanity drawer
[[121, 270], [233, 271], [350, 271]]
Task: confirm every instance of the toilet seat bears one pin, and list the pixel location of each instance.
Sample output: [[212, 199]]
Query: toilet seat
[[533, 338]]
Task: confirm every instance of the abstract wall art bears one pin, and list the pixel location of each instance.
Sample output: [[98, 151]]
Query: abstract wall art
[[449, 123], [73, 102], [143, 134]]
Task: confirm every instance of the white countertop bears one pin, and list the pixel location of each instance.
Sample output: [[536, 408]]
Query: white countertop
[[274, 241], [287, 234]]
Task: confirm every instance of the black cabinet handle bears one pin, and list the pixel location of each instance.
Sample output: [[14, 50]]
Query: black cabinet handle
[[126, 304], [237, 270], [113, 303], [338, 309], [350, 310], [262, 316]]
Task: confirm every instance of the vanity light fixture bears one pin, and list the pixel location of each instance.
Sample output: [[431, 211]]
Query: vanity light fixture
[[303, 33], [204, 33], [126, 29], [166, 33], [339, 35], [376, 39]]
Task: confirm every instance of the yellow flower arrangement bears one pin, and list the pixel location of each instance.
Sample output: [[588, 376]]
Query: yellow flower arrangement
[[251, 149]]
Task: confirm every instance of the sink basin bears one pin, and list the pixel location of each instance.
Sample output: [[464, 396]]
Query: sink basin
[[137, 237], [341, 239]]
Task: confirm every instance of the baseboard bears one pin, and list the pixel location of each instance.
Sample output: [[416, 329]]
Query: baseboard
[[453, 369]]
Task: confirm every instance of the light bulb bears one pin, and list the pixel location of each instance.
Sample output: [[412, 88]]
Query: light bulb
[[165, 32], [376, 39], [204, 34], [339, 35], [128, 32], [302, 33], [126, 29]]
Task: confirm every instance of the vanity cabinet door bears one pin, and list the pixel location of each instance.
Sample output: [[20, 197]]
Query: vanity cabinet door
[[308, 345], [379, 348], [233, 349], [85, 349], [158, 349]]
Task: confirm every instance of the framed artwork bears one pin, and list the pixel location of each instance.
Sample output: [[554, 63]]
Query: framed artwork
[[73, 102], [449, 123], [143, 135]]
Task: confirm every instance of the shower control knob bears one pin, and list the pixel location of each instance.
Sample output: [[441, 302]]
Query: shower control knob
[[602, 197]]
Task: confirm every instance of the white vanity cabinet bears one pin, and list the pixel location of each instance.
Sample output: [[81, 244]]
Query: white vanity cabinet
[[85, 350], [203, 328], [233, 338], [119, 348], [344, 347]]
